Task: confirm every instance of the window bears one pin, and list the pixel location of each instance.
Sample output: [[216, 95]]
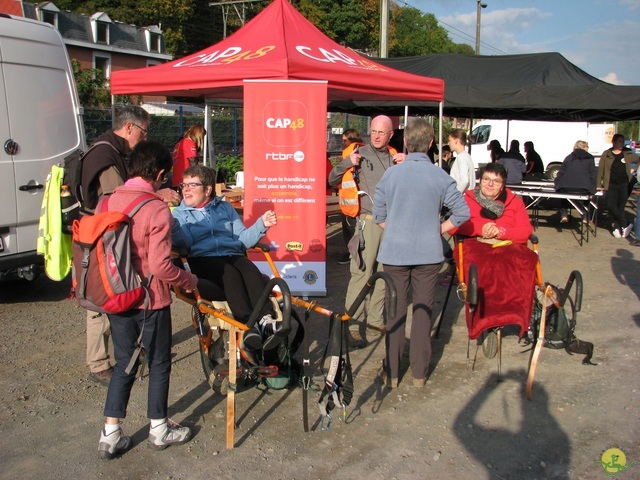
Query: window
[[49, 17], [155, 43], [481, 134], [102, 32], [103, 64]]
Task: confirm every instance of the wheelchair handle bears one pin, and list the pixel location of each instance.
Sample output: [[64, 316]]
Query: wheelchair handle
[[391, 290], [286, 295], [577, 277]]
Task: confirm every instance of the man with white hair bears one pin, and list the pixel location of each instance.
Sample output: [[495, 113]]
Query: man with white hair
[[369, 163]]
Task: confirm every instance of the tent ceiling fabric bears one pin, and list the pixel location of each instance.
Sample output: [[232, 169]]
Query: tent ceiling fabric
[[539, 86], [279, 44]]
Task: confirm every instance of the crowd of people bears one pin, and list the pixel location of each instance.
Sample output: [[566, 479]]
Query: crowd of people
[[397, 226]]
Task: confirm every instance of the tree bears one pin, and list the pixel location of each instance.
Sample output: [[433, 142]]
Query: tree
[[419, 34], [91, 85]]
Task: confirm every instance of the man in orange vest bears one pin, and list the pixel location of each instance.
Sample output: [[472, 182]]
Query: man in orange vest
[[369, 163]]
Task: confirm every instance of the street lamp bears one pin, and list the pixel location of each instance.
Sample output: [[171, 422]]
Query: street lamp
[[480, 7]]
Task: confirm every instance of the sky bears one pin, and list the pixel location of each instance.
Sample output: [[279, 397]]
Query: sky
[[602, 37]]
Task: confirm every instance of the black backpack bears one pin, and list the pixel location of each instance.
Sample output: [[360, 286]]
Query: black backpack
[[73, 205], [73, 169]]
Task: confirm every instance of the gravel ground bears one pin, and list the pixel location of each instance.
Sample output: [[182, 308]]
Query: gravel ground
[[463, 424]]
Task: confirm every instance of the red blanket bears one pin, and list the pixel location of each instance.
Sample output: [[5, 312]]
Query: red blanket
[[506, 284]]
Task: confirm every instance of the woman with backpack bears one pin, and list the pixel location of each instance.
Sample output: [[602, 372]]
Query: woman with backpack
[[149, 322]]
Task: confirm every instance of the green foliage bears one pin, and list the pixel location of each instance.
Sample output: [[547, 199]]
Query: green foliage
[[418, 34], [92, 86], [191, 25], [231, 163]]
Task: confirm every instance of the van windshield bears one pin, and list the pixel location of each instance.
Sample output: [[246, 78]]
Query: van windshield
[[480, 134]]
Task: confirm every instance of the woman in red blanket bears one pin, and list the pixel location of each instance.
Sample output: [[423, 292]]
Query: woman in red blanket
[[496, 212], [506, 276]]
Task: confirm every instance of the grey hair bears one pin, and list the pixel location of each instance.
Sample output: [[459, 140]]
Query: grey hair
[[418, 135], [133, 114]]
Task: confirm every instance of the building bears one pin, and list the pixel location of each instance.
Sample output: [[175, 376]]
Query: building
[[97, 41]]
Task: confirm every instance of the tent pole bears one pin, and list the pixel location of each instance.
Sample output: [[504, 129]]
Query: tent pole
[[440, 110], [406, 119], [208, 146]]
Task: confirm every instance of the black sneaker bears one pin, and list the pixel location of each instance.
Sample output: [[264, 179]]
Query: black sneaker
[[252, 338]]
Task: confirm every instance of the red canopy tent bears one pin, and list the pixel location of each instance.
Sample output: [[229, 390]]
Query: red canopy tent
[[280, 44]]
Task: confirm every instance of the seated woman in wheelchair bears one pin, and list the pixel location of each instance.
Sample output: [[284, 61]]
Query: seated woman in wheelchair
[[496, 212], [506, 276], [217, 239]]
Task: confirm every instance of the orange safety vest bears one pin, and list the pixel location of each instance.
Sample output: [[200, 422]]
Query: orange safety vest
[[348, 197]]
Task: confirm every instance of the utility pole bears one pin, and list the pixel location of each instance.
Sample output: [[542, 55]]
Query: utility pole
[[384, 28], [480, 6]]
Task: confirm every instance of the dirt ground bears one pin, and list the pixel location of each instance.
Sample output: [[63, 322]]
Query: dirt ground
[[463, 424]]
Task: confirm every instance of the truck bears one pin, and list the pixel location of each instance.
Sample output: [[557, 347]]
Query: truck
[[40, 124], [552, 140]]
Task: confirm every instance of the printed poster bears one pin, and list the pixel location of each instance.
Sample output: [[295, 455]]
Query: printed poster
[[285, 171]]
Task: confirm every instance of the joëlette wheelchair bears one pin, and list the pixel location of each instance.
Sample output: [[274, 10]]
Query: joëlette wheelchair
[[224, 360], [501, 284]]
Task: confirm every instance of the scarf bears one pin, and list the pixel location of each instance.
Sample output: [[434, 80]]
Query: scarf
[[491, 209]]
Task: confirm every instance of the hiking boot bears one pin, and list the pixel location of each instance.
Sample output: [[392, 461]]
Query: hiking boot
[[168, 433], [102, 377], [116, 443], [355, 340]]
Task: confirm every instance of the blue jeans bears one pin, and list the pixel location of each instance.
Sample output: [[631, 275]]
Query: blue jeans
[[156, 338]]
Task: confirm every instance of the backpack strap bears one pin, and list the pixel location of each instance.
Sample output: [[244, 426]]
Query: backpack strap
[[79, 193], [339, 379]]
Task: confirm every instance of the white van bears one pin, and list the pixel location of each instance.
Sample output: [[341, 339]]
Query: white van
[[552, 140], [40, 124]]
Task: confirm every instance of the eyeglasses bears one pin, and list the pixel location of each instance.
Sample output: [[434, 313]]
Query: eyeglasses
[[492, 181], [375, 133], [144, 131], [189, 186]]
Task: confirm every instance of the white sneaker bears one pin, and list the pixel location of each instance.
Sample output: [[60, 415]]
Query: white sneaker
[[168, 433], [627, 230], [616, 233]]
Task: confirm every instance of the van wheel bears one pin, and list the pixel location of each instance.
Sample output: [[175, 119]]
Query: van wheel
[[552, 172]]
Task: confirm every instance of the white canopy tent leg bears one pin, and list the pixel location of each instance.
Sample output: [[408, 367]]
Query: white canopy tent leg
[[440, 111], [209, 158]]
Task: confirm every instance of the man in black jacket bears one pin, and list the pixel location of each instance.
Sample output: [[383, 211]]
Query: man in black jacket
[[103, 169]]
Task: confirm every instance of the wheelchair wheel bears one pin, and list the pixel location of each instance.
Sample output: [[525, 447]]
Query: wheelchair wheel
[[214, 364], [490, 343]]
